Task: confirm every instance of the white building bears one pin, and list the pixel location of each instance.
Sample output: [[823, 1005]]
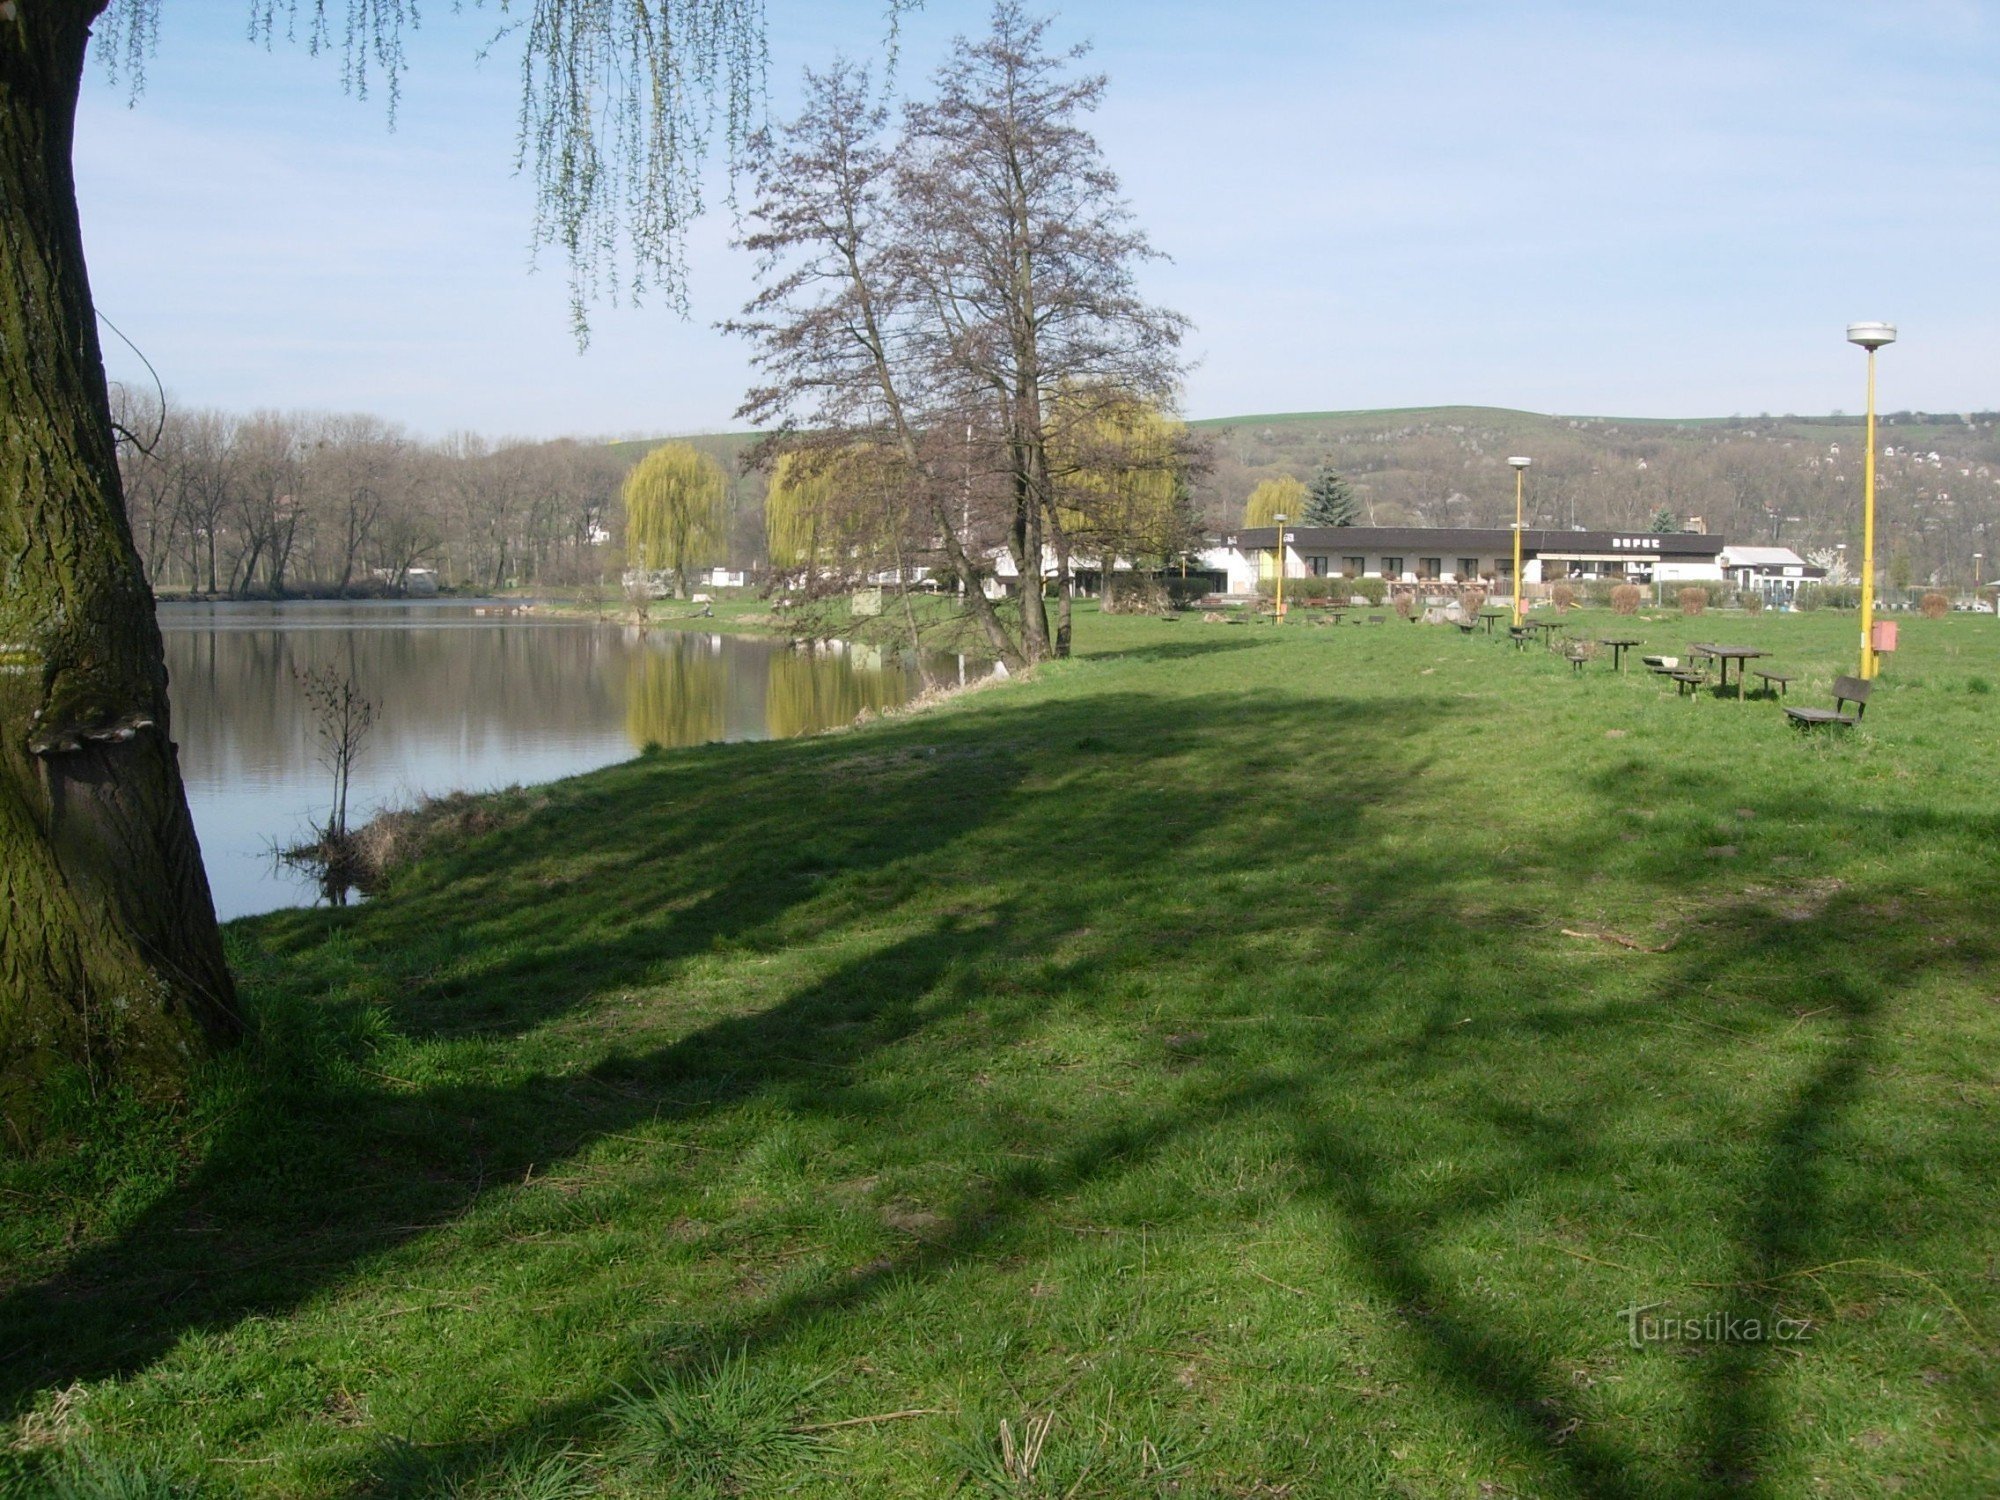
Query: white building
[[1774, 572], [1240, 560]]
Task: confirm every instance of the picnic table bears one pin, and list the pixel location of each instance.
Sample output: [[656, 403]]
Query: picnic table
[[1619, 646], [1724, 655], [1490, 615]]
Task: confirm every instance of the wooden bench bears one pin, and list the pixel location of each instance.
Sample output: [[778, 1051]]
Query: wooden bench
[[1520, 635], [1378, 619], [1846, 690], [1576, 655], [1689, 678], [1779, 680]]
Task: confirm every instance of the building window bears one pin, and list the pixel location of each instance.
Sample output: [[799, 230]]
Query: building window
[[1468, 567], [1503, 567], [1430, 569], [1354, 567], [1317, 565], [1392, 567]]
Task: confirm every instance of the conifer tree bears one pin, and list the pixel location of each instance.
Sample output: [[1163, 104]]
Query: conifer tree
[[1330, 500]]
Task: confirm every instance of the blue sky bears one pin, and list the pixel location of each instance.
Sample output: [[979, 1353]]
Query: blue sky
[[1587, 208]]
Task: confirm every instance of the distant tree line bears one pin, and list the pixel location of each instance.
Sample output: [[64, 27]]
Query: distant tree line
[[278, 503]]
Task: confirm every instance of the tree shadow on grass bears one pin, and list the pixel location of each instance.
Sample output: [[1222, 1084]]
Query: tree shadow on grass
[[1187, 650], [1508, 1381], [624, 880], [1080, 836], [1789, 1218]]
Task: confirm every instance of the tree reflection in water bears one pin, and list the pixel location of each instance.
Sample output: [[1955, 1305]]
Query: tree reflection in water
[[809, 689], [676, 690], [468, 702]]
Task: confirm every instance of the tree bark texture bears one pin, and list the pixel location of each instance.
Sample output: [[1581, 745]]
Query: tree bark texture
[[110, 961]]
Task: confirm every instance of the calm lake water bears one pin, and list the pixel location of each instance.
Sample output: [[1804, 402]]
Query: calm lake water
[[464, 701]]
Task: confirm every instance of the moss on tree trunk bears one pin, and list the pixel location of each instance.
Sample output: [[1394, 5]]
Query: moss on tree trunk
[[110, 962]]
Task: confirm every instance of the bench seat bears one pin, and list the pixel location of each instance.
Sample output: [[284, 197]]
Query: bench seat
[[1846, 690]]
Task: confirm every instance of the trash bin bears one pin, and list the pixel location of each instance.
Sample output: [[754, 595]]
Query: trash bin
[[1884, 638]]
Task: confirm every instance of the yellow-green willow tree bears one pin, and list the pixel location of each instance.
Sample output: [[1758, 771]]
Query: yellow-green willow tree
[[798, 513], [676, 512], [1284, 496], [1122, 474], [795, 511]]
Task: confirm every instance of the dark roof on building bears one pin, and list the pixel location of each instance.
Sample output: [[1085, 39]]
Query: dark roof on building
[[1440, 540]]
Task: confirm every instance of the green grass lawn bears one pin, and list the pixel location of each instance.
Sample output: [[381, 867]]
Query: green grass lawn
[[1238, 1061]]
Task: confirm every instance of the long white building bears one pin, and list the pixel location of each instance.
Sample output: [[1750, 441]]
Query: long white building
[[1240, 560]]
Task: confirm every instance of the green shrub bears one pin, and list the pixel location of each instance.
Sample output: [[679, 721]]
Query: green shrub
[[1324, 590], [1300, 590], [1828, 596]]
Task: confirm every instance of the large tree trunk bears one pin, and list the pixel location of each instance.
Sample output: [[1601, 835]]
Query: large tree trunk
[[110, 962], [1028, 557]]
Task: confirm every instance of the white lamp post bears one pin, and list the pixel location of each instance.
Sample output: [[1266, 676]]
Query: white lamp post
[[1870, 336], [1520, 468]]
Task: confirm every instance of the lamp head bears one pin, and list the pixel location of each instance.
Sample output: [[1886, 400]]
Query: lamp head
[[1871, 336], [1519, 463], [1281, 518]]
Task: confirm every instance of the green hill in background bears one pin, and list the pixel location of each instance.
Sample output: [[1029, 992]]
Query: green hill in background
[[1790, 478]]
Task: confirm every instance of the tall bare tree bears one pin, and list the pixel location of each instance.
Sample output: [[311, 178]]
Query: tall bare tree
[[832, 323], [952, 284], [1024, 258]]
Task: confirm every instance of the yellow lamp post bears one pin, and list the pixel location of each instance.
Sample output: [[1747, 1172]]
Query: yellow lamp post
[[1870, 336], [1520, 467], [1279, 618]]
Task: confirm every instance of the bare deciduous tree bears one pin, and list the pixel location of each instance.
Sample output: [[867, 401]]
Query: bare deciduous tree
[[936, 295]]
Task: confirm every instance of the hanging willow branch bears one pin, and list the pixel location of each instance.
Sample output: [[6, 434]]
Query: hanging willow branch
[[622, 104]]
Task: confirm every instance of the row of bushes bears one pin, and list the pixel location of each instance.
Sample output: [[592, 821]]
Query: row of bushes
[[1328, 590], [1828, 596]]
